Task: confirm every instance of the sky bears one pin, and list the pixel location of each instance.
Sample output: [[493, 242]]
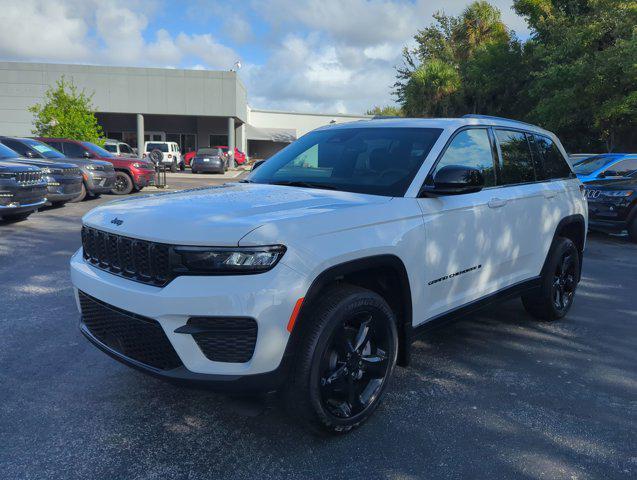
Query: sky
[[332, 56]]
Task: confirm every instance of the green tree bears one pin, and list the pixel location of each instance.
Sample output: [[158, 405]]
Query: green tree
[[386, 111], [430, 90], [66, 112]]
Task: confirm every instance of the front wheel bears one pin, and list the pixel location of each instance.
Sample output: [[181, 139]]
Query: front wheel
[[82, 195], [173, 167], [554, 298], [632, 228], [123, 184], [345, 360]]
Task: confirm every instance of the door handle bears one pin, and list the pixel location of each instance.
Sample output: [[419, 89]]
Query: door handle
[[549, 194], [497, 203]]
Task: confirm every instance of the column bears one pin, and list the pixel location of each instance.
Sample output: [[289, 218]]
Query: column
[[231, 140], [140, 135]]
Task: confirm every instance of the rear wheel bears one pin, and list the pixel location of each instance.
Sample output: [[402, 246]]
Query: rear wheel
[[345, 360], [173, 167], [554, 298], [123, 184]]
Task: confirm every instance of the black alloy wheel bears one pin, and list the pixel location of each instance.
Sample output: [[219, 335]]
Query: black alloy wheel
[[564, 281], [346, 353], [123, 184], [354, 365]]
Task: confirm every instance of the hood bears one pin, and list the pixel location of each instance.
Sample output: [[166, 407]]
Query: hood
[[220, 215], [613, 184], [82, 162], [11, 166], [41, 163]]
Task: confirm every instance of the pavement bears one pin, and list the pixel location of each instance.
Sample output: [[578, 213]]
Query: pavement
[[495, 395]]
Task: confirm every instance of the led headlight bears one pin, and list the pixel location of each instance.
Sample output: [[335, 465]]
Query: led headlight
[[138, 165], [227, 260], [617, 193], [91, 167]]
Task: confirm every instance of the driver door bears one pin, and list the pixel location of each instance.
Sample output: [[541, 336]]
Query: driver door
[[464, 234]]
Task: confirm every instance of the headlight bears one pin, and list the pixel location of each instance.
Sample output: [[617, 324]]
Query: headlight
[[228, 260], [138, 165], [91, 167], [617, 193], [46, 170]]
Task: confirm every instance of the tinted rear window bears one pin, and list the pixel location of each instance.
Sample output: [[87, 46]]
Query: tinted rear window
[[516, 163], [550, 164], [209, 151], [590, 165], [162, 147]]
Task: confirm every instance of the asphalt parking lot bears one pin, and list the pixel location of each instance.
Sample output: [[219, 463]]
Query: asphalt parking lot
[[495, 395]]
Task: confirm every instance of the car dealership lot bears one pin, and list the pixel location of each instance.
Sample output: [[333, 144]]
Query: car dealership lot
[[496, 395]]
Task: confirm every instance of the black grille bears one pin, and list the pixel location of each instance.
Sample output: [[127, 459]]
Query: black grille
[[131, 335], [71, 172], [225, 339], [28, 178], [139, 260]]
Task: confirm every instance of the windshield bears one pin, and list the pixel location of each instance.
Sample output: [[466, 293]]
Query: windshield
[[44, 149], [157, 146], [376, 160], [6, 152], [98, 150], [589, 165]]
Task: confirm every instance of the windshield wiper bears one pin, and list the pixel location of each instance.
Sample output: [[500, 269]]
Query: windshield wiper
[[298, 183]]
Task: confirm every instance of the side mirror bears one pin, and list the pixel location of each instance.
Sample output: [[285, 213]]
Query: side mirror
[[29, 154], [455, 180], [86, 154], [611, 173], [257, 164]]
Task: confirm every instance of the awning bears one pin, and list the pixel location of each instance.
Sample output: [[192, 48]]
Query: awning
[[286, 135]]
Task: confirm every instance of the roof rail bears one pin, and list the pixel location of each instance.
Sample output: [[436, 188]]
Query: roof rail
[[490, 117]]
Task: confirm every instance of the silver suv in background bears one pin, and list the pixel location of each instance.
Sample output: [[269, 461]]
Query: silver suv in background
[[121, 149]]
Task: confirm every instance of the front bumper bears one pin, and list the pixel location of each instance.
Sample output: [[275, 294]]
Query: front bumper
[[60, 189], [269, 298], [6, 210], [98, 182], [143, 178]]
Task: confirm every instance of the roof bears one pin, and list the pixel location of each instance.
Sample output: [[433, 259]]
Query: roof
[[270, 134], [438, 123]]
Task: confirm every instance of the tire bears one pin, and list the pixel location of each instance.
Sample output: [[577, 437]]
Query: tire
[[82, 195], [632, 228], [194, 171], [234, 164], [123, 184], [173, 167], [182, 167], [319, 386], [16, 217], [554, 298]]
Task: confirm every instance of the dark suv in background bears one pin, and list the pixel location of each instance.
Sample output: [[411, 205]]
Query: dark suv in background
[[22, 190], [132, 174], [63, 180], [97, 176], [612, 205]]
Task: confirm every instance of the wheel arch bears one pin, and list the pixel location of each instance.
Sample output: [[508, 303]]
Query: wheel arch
[[572, 227], [384, 274]]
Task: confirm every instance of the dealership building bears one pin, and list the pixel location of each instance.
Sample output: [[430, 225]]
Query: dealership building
[[195, 108]]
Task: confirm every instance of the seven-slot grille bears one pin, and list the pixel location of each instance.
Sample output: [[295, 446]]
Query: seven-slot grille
[[225, 339], [71, 172], [28, 178], [129, 334], [139, 260]]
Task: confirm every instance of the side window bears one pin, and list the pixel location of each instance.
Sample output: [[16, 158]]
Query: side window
[[471, 148], [73, 150], [125, 148], [516, 162], [622, 168], [57, 145], [550, 159], [16, 146]]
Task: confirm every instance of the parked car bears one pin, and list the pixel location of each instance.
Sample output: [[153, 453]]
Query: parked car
[[239, 156], [22, 190], [130, 174], [612, 205], [188, 156], [164, 153], [575, 158], [605, 167], [121, 149], [63, 180], [97, 176], [314, 275], [211, 160]]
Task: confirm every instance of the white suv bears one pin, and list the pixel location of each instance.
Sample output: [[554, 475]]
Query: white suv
[[314, 275], [164, 153]]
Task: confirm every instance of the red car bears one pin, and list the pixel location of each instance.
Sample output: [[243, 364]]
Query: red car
[[188, 157], [239, 156], [133, 174]]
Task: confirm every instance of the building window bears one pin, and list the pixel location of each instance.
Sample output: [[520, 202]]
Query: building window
[[218, 140]]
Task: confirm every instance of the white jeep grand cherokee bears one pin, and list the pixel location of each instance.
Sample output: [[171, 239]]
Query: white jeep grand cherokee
[[314, 275]]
